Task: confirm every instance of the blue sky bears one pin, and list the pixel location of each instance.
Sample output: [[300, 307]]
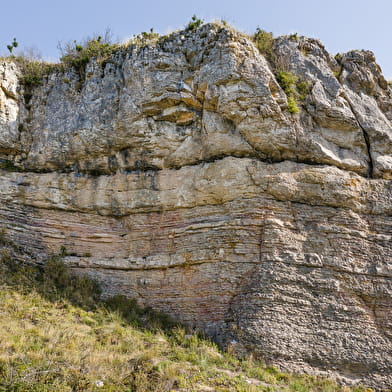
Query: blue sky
[[340, 25]]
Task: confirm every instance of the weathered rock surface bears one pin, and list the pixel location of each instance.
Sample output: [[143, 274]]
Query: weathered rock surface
[[175, 174]]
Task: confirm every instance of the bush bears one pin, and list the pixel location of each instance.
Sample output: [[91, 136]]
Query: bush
[[338, 57], [292, 105], [33, 68], [264, 42], [296, 90], [287, 81], [56, 282], [302, 88], [194, 23], [77, 55], [59, 282], [33, 71], [145, 37], [130, 311]]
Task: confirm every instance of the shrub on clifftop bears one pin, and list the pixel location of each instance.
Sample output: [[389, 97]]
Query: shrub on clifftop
[[77, 55]]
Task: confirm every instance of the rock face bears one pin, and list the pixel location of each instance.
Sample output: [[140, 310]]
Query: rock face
[[175, 173]]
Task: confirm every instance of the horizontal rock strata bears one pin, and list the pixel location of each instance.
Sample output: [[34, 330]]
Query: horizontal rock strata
[[175, 174]]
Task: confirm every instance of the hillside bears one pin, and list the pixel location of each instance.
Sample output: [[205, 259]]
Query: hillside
[[56, 339]]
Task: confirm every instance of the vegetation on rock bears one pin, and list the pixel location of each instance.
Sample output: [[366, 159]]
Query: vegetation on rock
[[109, 135], [264, 42], [194, 23], [77, 55], [294, 88], [287, 81], [144, 38], [33, 71]]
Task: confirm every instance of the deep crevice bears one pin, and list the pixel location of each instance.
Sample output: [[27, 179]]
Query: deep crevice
[[365, 136], [145, 167]]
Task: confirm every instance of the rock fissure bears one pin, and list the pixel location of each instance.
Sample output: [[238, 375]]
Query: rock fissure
[[142, 168], [365, 136]]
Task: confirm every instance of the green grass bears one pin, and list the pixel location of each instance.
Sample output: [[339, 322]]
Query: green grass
[[57, 335]]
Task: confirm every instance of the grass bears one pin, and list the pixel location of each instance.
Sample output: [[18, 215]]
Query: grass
[[57, 335]]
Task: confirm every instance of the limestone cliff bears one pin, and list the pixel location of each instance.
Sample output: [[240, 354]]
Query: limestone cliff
[[176, 174]]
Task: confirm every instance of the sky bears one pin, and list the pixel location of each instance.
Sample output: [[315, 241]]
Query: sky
[[341, 25]]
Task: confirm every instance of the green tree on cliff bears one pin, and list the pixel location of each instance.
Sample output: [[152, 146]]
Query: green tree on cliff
[[14, 44]]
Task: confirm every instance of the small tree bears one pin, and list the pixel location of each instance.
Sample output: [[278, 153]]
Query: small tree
[[14, 44]]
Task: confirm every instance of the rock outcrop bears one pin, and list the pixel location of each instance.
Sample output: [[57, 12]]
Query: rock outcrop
[[175, 174]]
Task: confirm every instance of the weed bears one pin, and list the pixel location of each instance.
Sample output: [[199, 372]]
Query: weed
[[292, 105], [63, 251], [338, 72], [296, 90], [3, 236]]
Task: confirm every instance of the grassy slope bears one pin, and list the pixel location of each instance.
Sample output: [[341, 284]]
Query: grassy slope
[[47, 343]]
